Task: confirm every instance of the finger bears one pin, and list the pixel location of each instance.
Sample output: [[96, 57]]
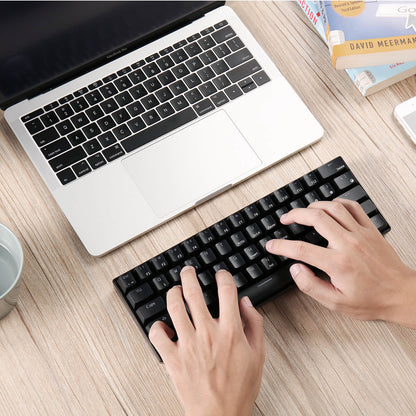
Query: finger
[[178, 314], [253, 324], [356, 211], [194, 298], [322, 291], [227, 297], [160, 336], [338, 212], [299, 250], [317, 218]]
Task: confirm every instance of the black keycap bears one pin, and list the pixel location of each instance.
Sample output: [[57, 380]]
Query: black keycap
[[327, 190], [138, 91], [135, 109], [251, 252], [91, 130], [113, 152], [165, 51], [192, 49], [79, 120], [108, 106], [126, 282], [296, 187], [233, 92], [165, 110], [310, 179], [67, 159], [108, 90], [143, 271], [66, 176], [165, 63], [221, 228], [166, 78], [136, 124], [139, 295], [121, 132], [207, 89], [345, 180], [193, 262], [220, 266], [268, 223], [96, 161], [236, 220], [222, 50], [260, 78], [109, 78], [94, 113], [151, 117], [95, 85], [269, 263], [49, 107], [175, 274], [49, 119], [206, 42], [193, 96], [124, 71], [235, 44], [81, 168], [208, 57], [206, 237], [297, 229], [238, 239], [238, 58], [355, 194], [206, 74], [64, 111], [190, 245], [123, 98], [122, 83], [208, 257], [66, 99], [194, 64], [239, 280], [192, 80], [149, 102], [65, 127], [92, 146], [221, 82], [152, 84], [247, 85], [243, 71], [237, 261], [137, 76], [150, 310], [36, 113], [205, 278], [221, 24], [80, 92], [380, 223], [331, 168], [175, 254], [204, 107], [368, 207], [106, 123], [281, 211], [120, 116], [56, 148], [207, 30], [180, 71], [159, 129], [138, 64], [297, 203], [152, 57], [267, 203], [178, 87], [179, 56], [223, 34], [151, 69], [77, 137], [251, 212], [179, 103], [254, 271], [164, 94], [159, 262], [253, 231], [161, 283], [223, 248], [281, 195], [193, 37], [281, 233], [46, 136], [79, 104], [312, 197]]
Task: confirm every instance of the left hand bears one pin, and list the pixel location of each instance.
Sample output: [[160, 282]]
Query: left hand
[[216, 364]]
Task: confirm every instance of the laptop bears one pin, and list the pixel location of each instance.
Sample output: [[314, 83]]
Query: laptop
[[134, 112]]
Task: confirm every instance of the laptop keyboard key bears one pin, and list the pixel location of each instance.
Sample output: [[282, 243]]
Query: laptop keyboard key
[[138, 91], [108, 90], [79, 104], [164, 94], [223, 34], [106, 123], [121, 132], [81, 168], [260, 78], [149, 102], [208, 57], [67, 159], [136, 124], [235, 44], [91, 130], [94, 113], [151, 117], [96, 161], [46, 136], [65, 127], [137, 76], [94, 97], [233, 92], [179, 103], [178, 87], [77, 137], [243, 71], [64, 111], [122, 83], [80, 120], [219, 99], [204, 107], [66, 176], [166, 77], [92, 146], [193, 96], [135, 109], [49, 119], [107, 139], [56, 148], [113, 152], [165, 110], [207, 89], [108, 106]]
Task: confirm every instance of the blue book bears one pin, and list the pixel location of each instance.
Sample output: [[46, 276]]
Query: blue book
[[367, 79], [375, 32]]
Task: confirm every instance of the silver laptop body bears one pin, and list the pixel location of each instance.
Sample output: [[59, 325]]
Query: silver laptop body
[[168, 175]]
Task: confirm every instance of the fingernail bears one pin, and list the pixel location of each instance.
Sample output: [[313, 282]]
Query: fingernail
[[184, 269], [294, 270], [247, 301], [269, 245]]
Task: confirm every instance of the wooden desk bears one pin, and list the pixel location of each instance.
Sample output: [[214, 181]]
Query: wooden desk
[[71, 348]]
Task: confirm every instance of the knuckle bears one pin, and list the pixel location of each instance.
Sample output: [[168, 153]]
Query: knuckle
[[300, 249]]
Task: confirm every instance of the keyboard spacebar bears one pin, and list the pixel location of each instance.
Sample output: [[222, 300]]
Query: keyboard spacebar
[[268, 287], [159, 129]]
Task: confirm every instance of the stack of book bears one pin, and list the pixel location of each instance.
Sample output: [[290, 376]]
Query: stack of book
[[373, 40]]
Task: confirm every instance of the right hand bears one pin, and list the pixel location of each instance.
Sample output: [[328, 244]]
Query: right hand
[[368, 280]]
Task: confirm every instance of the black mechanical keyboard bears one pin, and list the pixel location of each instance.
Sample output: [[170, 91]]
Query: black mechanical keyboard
[[237, 244], [103, 121]]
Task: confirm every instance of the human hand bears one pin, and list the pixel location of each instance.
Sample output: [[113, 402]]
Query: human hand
[[368, 280], [216, 365]]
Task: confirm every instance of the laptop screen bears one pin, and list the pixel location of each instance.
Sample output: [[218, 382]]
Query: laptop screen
[[45, 43]]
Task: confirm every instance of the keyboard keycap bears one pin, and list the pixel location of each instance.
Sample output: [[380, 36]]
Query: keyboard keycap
[[223, 34], [331, 168], [113, 152], [46, 136], [158, 130], [204, 107], [56, 148], [66, 176], [139, 295], [150, 310], [81, 168], [67, 159], [243, 71], [96, 161]]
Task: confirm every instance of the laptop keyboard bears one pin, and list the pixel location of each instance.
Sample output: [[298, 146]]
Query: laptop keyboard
[[237, 244], [125, 110]]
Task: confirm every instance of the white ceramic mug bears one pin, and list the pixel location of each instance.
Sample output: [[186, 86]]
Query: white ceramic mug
[[11, 265]]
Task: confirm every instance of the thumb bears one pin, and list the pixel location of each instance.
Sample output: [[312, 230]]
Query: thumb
[[253, 324], [322, 291]]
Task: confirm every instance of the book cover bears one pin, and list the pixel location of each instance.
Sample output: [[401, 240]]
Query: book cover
[[367, 33], [367, 79]]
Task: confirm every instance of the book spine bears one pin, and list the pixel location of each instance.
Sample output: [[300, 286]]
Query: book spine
[[311, 10]]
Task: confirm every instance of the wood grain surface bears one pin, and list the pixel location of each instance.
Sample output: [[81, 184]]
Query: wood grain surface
[[70, 346]]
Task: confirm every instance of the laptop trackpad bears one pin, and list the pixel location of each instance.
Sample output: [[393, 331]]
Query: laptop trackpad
[[191, 164]]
